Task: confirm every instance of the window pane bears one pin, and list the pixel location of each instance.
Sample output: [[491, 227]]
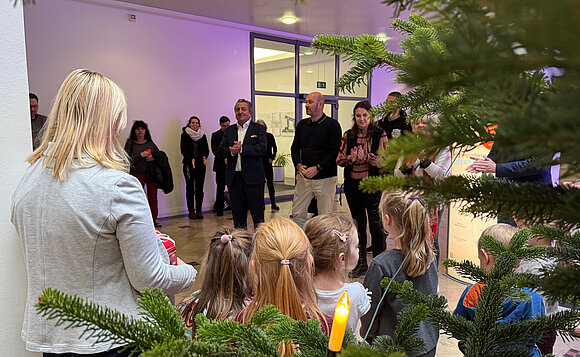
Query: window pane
[[278, 113], [359, 90], [316, 67], [274, 66]]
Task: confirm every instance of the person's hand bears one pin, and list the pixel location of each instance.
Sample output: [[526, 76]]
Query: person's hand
[[235, 149], [193, 163], [150, 158], [226, 160], [270, 160], [481, 165], [360, 152], [353, 155], [311, 172], [180, 262], [374, 159], [204, 161], [301, 169], [145, 154]]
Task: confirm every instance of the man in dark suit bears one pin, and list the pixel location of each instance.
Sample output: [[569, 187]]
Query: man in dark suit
[[271, 150], [219, 165], [243, 145]]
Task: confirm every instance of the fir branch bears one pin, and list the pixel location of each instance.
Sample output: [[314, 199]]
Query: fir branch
[[267, 315], [216, 331], [310, 339], [253, 339], [188, 348], [531, 331], [492, 245], [159, 312], [367, 351], [101, 324], [467, 269], [488, 196]]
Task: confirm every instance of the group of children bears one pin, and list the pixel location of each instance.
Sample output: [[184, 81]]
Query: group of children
[[302, 272]]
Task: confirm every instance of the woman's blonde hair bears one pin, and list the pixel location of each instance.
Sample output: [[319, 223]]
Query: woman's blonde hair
[[326, 244], [410, 216], [83, 125], [282, 273]]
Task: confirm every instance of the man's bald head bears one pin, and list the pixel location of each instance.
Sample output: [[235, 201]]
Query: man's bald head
[[315, 105]]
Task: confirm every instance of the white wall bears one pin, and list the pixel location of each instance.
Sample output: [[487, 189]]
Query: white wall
[[15, 145], [171, 67]]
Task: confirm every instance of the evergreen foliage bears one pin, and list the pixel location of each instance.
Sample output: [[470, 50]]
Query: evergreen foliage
[[160, 332], [474, 64], [484, 336]]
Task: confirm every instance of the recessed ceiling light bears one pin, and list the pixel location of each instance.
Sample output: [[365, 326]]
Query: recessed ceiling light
[[289, 19], [309, 71], [382, 37]]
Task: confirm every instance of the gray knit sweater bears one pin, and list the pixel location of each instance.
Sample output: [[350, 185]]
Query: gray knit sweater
[[91, 235], [385, 265]]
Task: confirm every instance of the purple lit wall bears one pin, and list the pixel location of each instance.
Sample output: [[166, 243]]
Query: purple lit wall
[[170, 67]]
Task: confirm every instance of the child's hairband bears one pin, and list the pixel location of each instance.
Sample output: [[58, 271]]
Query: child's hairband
[[341, 236], [285, 262], [226, 238], [414, 198]]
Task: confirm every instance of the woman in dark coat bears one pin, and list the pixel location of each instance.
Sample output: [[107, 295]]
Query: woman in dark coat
[[195, 150], [141, 149], [358, 155]]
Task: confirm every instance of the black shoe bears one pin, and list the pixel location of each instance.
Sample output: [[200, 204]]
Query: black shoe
[[156, 223], [275, 207], [191, 215], [219, 214]]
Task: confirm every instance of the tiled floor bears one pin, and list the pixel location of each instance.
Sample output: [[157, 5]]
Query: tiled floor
[[192, 237]]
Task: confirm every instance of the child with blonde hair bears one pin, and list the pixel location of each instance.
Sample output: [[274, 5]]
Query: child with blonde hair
[[405, 219], [226, 288], [281, 268], [334, 240]]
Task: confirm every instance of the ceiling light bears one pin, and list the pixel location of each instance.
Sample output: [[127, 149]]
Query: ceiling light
[[289, 19], [309, 70], [308, 52], [382, 37]]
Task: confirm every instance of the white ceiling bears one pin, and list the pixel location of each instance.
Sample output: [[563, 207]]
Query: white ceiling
[[347, 17]]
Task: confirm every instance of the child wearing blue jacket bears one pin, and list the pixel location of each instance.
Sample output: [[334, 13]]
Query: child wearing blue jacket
[[512, 311]]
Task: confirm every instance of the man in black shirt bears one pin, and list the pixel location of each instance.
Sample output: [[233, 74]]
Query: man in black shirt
[[314, 151]]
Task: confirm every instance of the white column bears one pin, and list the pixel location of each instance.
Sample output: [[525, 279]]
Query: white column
[[15, 145]]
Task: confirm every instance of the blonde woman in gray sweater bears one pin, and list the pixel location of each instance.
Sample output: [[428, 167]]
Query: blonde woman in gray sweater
[[84, 222]]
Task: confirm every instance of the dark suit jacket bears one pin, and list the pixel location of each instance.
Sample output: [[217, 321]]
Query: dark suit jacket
[[218, 163], [271, 150], [253, 148]]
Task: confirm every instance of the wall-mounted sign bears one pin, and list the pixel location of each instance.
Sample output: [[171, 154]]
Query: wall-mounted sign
[[464, 230], [320, 84]]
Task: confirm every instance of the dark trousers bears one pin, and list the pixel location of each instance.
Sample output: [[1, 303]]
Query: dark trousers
[[151, 193], [220, 180], [194, 179], [111, 353], [244, 197], [269, 171], [361, 204]]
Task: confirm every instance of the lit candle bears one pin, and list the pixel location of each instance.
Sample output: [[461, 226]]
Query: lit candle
[[339, 323]]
